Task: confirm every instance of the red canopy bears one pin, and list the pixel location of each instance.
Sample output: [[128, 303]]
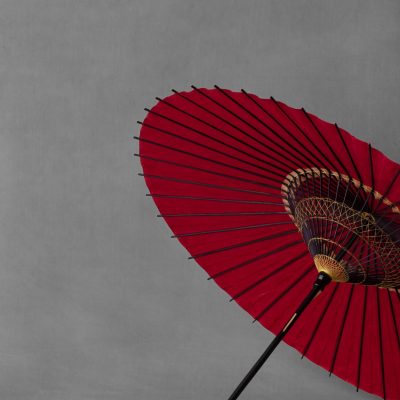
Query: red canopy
[[215, 162]]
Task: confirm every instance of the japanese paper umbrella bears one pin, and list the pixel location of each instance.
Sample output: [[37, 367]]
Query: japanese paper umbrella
[[276, 205]]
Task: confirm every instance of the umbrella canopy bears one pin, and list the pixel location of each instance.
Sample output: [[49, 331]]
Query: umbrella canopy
[[263, 196]]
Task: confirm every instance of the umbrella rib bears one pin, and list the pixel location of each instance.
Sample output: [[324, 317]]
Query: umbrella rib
[[283, 293], [319, 321], [339, 338], [259, 150], [286, 130], [353, 237], [378, 303], [393, 317], [257, 258], [331, 222], [389, 188], [215, 140], [216, 115], [328, 195], [361, 348], [214, 186], [234, 114], [371, 166], [368, 261], [264, 278], [243, 244], [224, 230], [348, 153], [390, 207], [284, 156], [221, 200], [366, 201], [391, 221], [325, 141], [218, 151], [268, 127], [207, 170], [304, 134], [289, 149], [225, 214]]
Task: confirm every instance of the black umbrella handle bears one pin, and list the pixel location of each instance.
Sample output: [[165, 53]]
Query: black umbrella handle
[[322, 280]]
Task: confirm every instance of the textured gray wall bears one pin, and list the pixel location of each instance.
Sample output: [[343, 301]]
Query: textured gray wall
[[96, 302]]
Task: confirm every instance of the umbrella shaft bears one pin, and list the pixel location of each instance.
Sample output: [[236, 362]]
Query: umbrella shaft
[[250, 375], [322, 280]]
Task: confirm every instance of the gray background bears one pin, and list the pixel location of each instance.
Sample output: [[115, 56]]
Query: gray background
[[96, 302]]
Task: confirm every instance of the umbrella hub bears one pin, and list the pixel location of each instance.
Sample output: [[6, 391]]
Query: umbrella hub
[[351, 230], [334, 268]]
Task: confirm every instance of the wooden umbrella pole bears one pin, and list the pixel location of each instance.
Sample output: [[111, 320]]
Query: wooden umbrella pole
[[322, 280]]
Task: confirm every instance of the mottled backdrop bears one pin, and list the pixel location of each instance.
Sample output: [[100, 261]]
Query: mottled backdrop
[[96, 302]]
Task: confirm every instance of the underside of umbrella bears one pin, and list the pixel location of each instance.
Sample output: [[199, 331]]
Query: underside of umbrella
[[264, 196]]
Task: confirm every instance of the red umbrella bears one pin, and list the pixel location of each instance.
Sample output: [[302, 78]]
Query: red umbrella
[[274, 202]]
